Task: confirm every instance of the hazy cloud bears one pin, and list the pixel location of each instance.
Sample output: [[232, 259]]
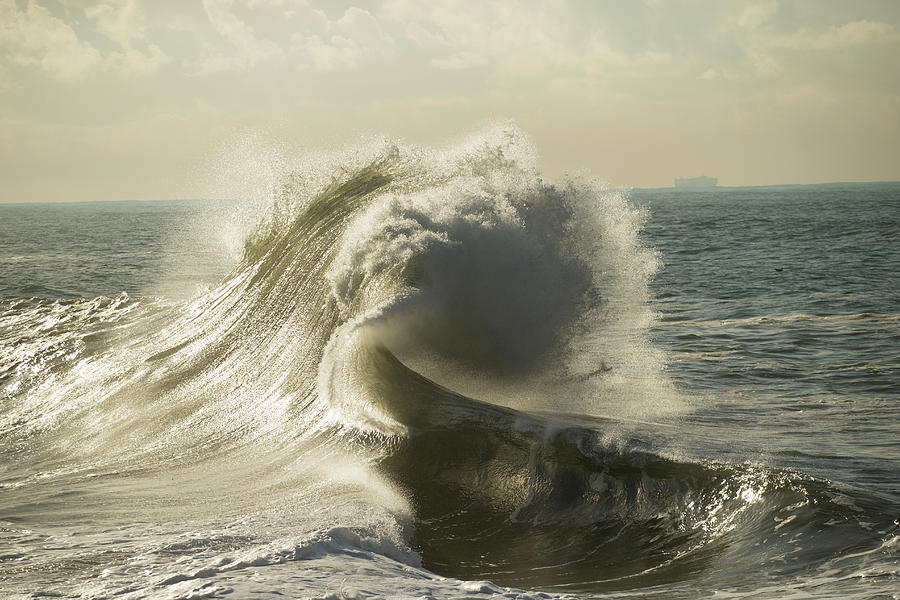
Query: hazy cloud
[[247, 49], [513, 36], [349, 41], [120, 20], [292, 32], [34, 37], [855, 33], [707, 81], [123, 22], [766, 41]]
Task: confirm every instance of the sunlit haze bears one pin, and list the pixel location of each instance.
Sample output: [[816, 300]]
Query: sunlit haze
[[130, 99]]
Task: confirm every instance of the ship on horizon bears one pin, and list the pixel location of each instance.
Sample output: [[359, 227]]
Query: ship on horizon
[[696, 182]]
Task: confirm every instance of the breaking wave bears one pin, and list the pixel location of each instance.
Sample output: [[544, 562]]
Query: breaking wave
[[428, 355]]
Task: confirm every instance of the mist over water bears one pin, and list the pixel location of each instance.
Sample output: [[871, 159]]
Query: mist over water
[[408, 372]]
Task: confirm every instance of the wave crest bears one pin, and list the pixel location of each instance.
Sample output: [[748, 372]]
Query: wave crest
[[489, 280]]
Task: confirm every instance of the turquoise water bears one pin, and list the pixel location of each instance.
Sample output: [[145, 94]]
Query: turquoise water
[[452, 379]]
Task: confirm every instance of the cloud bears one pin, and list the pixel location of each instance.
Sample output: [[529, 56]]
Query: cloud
[[132, 62], [123, 22], [775, 49], [292, 31], [618, 72], [514, 36], [248, 49], [351, 40], [426, 38], [35, 37], [854, 33], [755, 15], [6, 81]]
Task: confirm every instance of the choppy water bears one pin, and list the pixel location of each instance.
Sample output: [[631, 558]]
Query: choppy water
[[419, 373]]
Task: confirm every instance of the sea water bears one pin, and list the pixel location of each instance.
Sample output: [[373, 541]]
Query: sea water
[[433, 373]]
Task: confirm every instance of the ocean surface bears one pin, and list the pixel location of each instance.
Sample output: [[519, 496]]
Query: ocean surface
[[404, 372]]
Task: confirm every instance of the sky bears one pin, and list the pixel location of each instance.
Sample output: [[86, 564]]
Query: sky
[[129, 99]]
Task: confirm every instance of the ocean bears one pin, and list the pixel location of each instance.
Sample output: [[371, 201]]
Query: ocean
[[402, 372]]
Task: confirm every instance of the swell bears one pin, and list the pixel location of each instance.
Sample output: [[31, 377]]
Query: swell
[[525, 500]]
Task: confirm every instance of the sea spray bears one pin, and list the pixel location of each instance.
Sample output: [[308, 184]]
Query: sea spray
[[486, 278]]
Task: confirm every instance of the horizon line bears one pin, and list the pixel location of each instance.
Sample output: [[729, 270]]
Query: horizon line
[[612, 187]]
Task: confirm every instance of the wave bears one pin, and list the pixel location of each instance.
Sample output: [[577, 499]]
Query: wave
[[866, 318], [390, 358]]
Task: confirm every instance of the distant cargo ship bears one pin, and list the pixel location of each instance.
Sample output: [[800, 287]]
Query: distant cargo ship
[[695, 182]]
